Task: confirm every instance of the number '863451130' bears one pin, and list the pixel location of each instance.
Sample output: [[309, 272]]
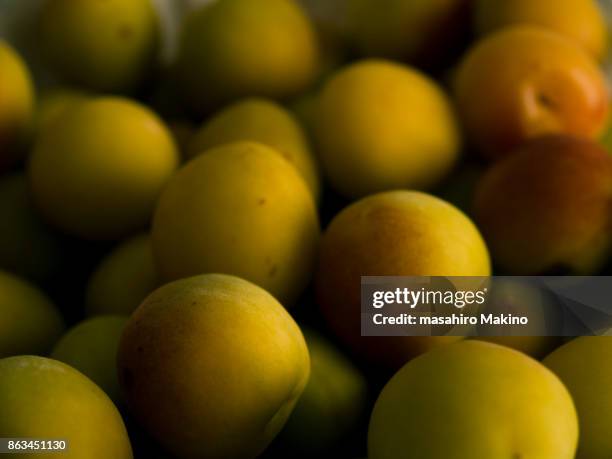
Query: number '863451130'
[[36, 445]]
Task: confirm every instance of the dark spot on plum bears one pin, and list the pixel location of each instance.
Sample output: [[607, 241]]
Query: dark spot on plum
[[546, 101], [262, 201], [273, 270], [140, 349]]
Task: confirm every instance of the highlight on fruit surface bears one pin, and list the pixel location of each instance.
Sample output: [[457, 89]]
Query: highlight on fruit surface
[[399, 233], [264, 121], [382, 126], [523, 82], [98, 173], [231, 49], [473, 400], [17, 101], [580, 20], [218, 354], [46, 399], [238, 209]]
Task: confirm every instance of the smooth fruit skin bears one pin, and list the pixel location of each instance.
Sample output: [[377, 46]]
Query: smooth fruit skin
[[30, 322], [91, 347], [523, 82], [238, 209], [546, 208], [106, 46], [122, 279], [583, 365], [331, 403], [382, 126], [473, 400], [400, 233], [45, 399], [212, 366], [17, 102], [418, 30], [236, 48], [534, 346], [580, 20], [263, 121], [53, 103], [27, 246], [98, 173]]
